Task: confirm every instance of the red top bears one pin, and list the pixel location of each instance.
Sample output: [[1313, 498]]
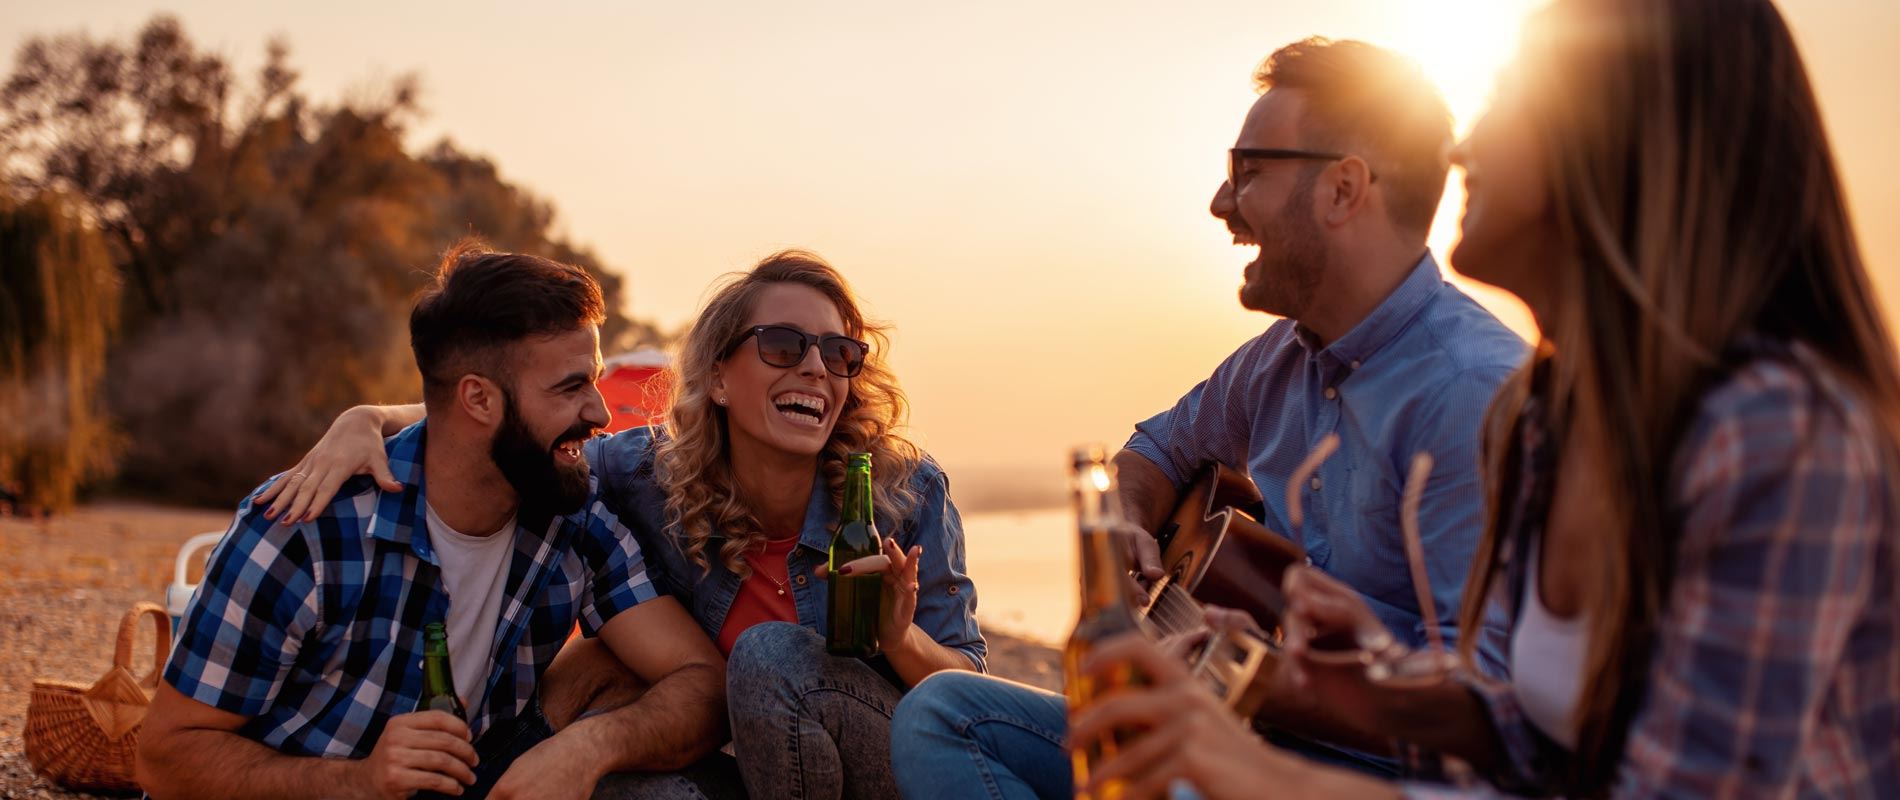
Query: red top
[[764, 597]]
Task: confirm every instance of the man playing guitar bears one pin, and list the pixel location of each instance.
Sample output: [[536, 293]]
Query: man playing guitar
[[1336, 175]]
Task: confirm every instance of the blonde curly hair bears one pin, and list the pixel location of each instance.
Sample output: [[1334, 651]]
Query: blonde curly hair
[[692, 458]]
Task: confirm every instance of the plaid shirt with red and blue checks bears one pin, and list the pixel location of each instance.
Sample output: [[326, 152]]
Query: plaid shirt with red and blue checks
[[1775, 671], [314, 630]]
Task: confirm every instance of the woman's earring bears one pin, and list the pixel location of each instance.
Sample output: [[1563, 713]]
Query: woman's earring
[[721, 400]]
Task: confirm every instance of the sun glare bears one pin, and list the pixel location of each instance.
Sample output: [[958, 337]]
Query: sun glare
[[1461, 45]]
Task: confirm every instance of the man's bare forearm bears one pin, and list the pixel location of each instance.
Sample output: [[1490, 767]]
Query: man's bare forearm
[[675, 723], [1299, 715], [1148, 497], [1444, 718], [1447, 718], [218, 764]]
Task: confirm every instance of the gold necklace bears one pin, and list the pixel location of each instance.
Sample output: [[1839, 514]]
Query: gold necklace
[[775, 582]]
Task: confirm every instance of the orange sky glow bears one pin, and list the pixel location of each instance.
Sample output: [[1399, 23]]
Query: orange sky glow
[[1020, 188]]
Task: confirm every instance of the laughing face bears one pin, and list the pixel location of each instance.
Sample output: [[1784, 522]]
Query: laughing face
[[1269, 206], [553, 407], [787, 411]]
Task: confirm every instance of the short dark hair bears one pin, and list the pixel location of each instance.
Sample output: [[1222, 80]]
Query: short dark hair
[[482, 301], [1374, 103]]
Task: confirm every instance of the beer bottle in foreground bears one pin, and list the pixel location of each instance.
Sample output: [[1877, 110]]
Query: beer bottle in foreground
[[438, 680], [1106, 612], [854, 599]]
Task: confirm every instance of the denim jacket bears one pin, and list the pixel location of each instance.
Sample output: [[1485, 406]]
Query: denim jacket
[[946, 599]]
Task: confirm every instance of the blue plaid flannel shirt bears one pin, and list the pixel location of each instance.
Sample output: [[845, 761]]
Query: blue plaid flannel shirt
[[1776, 667], [314, 631]]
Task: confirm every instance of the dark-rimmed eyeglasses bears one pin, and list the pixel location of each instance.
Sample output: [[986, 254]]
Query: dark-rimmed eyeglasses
[[1236, 156], [784, 347]]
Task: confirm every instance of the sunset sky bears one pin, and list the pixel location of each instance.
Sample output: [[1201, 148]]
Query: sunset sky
[[1021, 188]]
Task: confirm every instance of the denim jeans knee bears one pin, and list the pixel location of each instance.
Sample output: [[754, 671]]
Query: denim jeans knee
[[769, 654]]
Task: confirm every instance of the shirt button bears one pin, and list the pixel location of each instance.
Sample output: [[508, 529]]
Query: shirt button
[[1355, 363], [1331, 393], [800, 580], [1314, 483]]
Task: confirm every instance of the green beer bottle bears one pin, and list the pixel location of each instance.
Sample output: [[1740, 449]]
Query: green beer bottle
[[855, 598], [438, 680]]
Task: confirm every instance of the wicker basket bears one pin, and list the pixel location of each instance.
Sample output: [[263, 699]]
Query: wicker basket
[[85, 737]]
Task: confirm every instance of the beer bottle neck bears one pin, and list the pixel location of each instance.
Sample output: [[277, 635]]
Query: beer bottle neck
[[857, 496], [1104, 574], [437, 676]]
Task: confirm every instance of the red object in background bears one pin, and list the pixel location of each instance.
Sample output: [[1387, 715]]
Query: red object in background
[[636, 388]]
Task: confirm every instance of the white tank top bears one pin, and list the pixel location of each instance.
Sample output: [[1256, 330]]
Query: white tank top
[[1547, 662]]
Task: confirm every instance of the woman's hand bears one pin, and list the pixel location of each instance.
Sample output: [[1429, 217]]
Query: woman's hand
[[1330, 637], [900, 591], [900, 586], [1325, 615], [352, 446], [1173, 729]]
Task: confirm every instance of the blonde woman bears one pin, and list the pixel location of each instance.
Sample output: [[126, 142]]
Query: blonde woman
[[1693, 529], [734, 499]]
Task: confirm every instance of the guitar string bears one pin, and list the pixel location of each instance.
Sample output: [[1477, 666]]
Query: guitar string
[[1176, 610]]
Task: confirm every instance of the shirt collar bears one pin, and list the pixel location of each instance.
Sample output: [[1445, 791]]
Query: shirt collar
[[1386, 321], [399, 515]]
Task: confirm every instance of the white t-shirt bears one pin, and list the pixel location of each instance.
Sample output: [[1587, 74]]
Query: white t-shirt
[[474, 573]]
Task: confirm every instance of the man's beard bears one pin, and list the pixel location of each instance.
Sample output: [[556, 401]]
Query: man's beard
[[1285, 279], [546, 488]]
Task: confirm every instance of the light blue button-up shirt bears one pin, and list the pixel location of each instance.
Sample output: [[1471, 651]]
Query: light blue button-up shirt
[[1415, 375]]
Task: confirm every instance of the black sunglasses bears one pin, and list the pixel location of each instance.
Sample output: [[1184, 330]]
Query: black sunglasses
[[784, 347], [1237, 155]]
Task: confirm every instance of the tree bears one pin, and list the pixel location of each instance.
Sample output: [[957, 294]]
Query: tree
[[270, 245], [59, 302]]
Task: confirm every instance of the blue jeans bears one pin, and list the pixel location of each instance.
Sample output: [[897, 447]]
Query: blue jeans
[[805, 723], [960, 734]]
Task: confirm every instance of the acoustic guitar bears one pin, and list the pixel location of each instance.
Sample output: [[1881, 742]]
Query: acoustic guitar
[[1214, 552]]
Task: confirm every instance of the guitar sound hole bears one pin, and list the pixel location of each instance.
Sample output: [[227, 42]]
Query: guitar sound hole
[[1179, 574]]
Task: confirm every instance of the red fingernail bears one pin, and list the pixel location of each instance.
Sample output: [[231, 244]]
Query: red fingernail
[[844, 570]]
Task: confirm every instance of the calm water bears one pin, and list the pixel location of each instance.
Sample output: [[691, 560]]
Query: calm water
[[1024, 566]]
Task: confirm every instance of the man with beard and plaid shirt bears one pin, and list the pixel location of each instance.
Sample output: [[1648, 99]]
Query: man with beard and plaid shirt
[[298, 668]]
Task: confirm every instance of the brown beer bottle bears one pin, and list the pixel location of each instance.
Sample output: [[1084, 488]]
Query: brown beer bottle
[[1106, 611]]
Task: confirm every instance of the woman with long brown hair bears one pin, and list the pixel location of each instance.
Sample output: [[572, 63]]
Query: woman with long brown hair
[[1692, 525], [735, 498]]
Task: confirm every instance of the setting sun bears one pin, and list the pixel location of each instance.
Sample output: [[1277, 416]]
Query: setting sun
[[1461, 45]]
